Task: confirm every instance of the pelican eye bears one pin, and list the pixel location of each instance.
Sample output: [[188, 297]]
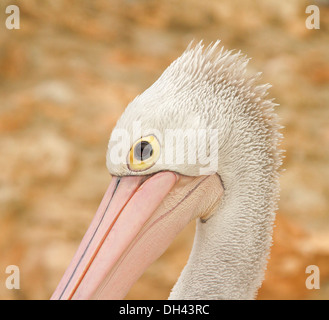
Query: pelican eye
[[143, 150], [144, 153]]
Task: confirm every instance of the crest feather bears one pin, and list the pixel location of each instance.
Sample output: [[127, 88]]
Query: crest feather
[[224, 73]]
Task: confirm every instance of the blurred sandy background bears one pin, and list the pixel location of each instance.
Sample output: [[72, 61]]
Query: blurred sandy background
[[69, 72]]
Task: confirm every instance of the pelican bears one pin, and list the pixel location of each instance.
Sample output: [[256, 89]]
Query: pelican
[[158, 187]]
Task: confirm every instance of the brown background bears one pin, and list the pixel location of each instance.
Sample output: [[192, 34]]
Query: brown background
[[67, 75]]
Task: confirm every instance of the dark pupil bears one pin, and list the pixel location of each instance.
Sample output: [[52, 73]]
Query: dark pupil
[[143, 151]]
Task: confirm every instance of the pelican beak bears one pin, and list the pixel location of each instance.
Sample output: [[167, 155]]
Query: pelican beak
[[136, 221]]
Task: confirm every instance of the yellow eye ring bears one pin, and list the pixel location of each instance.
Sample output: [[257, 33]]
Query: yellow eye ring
[[144, 153]]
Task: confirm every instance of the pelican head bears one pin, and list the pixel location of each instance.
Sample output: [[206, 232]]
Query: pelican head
[[200, 143]]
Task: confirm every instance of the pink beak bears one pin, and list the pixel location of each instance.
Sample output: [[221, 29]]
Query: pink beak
[[121, 241]]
